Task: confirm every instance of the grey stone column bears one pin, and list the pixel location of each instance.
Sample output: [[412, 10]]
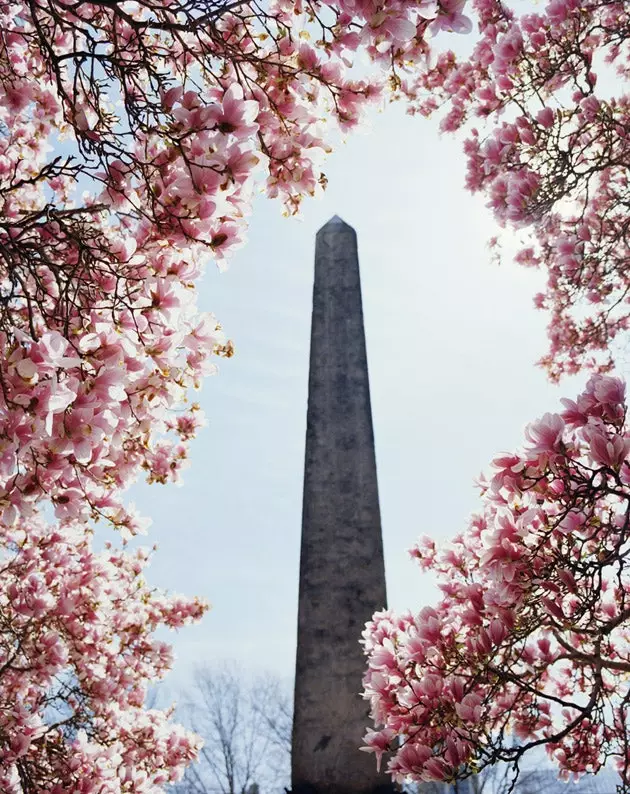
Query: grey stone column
[[342, 575]]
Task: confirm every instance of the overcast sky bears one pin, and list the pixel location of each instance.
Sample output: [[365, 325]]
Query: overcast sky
[[452, 339]]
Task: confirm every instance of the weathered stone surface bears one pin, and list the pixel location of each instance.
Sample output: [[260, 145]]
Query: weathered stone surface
[[342, 577]]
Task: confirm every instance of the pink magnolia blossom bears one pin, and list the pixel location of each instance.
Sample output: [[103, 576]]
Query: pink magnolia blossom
[[450, 17], [377, 742], [545, 435]]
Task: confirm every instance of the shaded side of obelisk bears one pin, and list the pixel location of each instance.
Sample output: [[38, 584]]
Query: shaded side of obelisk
[[342, 575]]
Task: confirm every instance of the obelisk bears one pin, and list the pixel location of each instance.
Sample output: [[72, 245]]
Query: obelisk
[[342, 574]]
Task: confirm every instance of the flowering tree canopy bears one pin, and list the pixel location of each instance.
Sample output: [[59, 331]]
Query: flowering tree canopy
[[77, 654], [553, 154], [132, 136], [529, 645]]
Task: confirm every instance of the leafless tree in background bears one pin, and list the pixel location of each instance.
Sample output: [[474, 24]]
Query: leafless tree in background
[[246, 727], [275, 710], [498, 780]]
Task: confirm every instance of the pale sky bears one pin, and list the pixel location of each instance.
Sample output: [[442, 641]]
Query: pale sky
[[452, 339]]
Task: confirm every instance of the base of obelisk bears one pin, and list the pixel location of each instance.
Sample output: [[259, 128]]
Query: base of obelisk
[[306, 788]]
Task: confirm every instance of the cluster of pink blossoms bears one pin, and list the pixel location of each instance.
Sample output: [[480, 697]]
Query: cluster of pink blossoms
[[76, 653], [549, 84], [529, 645]]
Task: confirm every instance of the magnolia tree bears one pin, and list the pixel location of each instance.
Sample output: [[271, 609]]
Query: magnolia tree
[[553, 153], [132, 137], [530, 640]]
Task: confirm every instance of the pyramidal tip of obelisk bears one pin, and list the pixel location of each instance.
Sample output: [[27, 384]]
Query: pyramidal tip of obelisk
[[337, 222]]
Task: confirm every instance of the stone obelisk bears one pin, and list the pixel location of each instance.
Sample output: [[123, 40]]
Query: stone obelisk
[[342, 575]]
